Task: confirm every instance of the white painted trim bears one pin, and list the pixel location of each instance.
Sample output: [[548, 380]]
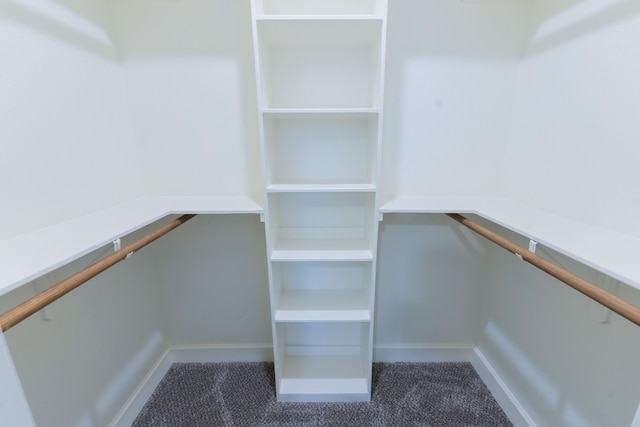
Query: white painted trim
[[501, 392], [222, 353], [422, 353], [186, 354], [143, 392]]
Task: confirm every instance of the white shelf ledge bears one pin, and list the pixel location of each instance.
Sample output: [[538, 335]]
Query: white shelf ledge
[[605, 250], [433, 205], [308, 188], [28, 256], [323, 390], [323, 306], [345, 17], [358, 111], [318, 8], [322, 255], [309, 378]]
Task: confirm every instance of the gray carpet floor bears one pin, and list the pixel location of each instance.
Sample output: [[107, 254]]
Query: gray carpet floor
[[243, 394]]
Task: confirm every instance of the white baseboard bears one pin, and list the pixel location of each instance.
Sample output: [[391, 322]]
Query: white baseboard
[[143, 392], [193, 354], [501, 392], [422, 353], [222, 353]]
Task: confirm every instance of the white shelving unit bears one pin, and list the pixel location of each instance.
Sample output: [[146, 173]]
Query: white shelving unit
[[320, 74]]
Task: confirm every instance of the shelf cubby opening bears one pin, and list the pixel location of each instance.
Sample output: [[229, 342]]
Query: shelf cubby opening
[[322, 291], [315, 7], [311, 151], [319, 64], [321, 223], [324, 361]]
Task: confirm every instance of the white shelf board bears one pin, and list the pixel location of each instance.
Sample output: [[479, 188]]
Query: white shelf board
[[211, 205], [323, 375], [605, 250], [320, 111], [314, 245], [315, 7], [323, 390], [432, 205], [29, 256], [323, 305], [322, 255], [308, 188], [303, 18]]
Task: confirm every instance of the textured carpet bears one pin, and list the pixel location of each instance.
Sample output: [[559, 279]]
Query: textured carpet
[[243, 394]]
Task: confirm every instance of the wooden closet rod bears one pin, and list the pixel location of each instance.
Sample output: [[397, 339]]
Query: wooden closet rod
[[607, 299], [46, 297]]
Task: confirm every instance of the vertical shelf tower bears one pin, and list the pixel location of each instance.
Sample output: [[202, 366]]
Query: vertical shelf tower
[[320, 76]]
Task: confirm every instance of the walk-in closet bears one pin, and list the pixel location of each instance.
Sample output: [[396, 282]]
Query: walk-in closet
[[324, 186]]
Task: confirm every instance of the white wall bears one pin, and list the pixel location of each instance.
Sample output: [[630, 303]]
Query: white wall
[[66, 143], [574, 145], [190, 74], [213, 282], [429, 281], [451, 75]]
